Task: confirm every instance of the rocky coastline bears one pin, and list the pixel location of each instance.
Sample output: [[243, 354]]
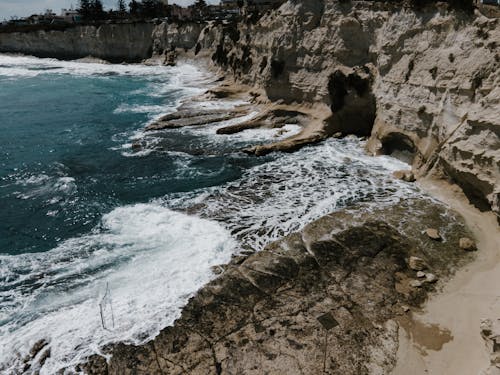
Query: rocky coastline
[[423, 85]]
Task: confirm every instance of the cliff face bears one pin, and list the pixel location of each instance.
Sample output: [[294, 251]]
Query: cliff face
[[423, 83], [114, 42]]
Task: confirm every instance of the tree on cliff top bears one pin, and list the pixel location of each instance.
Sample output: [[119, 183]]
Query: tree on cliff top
[[122, 8], [91, 10]]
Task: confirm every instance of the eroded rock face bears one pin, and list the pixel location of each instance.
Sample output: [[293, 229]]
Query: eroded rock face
[[438, 97], [114, 42], [425, 84], [319, 301]]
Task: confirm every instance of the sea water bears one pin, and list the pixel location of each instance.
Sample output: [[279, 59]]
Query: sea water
[[100, 244]]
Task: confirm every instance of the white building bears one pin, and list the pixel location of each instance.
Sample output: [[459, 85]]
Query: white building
[[69, 15]]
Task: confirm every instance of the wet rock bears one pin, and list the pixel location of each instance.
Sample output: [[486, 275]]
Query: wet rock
[[433, 234], [37, 347], [328, 282], [416, 263], [407, 176], [467, 244], [44, 356], [136, 146]]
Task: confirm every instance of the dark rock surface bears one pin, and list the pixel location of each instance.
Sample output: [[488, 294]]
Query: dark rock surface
[[322, 300]]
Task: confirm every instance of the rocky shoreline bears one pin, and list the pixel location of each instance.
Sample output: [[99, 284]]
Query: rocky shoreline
[[327, 299], [335, 297], [421, 82]]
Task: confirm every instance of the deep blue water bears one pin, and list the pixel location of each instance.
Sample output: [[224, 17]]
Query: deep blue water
[[61, 161]]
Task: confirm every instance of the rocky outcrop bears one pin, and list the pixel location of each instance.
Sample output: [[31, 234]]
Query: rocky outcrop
[[323, 300], [438, 98], [167, 37], [423, 83]]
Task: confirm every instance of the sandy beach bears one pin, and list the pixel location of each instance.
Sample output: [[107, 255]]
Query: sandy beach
[[450, 320]]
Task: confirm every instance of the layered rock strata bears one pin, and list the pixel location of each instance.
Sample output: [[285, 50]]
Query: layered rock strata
[[424, 84]]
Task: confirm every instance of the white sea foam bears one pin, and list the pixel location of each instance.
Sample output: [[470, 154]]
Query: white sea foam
[[28, 66], [276, 198], [151, 258], [52, 188]]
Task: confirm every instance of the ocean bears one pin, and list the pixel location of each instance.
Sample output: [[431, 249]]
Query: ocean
[[100, 243]]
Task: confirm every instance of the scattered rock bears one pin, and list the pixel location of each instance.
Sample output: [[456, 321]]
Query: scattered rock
[[44, 356], [486, 327], [405, 308], [467, 244], [420, 274], [433, 234], [430, 278], [136, 146], [218, 270], [416, 264]]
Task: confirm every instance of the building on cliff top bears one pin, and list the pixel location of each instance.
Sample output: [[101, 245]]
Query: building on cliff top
[[262, 4]]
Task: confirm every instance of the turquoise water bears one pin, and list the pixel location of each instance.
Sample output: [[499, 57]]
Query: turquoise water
[[61, 162], [100, 244]]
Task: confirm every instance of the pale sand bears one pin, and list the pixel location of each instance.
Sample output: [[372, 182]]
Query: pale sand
[[445, 338]]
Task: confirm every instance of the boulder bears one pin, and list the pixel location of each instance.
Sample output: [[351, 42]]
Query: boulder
[[467, 244], [433, 234]]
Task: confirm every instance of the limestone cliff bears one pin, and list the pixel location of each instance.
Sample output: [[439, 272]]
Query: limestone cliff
[[113, 42], [424, 82]]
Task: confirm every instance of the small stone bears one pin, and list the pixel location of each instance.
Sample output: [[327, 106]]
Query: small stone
[[405, 308], [136, 146], [433, 234], [420, 274], [431, 278], [416, 283], [337, 135], [416, 264], [467, 244]]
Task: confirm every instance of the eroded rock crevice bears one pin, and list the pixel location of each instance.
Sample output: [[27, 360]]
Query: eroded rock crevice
[[352, 101]]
